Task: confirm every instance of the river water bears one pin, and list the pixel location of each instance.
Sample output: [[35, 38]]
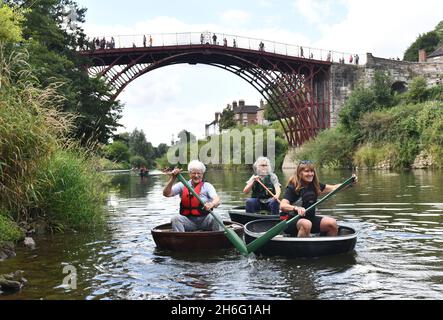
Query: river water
[[399, 251]]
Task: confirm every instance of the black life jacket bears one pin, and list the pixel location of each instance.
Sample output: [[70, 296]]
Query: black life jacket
[[308, 198], [259, 192]]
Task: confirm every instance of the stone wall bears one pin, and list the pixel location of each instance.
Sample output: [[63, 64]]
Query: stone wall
[[344, 77]]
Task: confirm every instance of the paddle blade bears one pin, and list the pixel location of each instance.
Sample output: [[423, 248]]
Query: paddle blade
[[236, 241], [271, 233]]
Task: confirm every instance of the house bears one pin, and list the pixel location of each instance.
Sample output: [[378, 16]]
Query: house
[[436, 56], [243, 114]]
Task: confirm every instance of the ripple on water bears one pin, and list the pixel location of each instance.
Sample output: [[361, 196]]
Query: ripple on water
[[399, 251]]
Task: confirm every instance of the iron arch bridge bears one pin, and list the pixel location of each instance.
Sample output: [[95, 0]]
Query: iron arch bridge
[[292, 79]]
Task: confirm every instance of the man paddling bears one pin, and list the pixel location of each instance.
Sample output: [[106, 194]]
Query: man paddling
[[193, 216]]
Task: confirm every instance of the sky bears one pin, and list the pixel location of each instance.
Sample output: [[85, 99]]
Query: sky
[[167, 100]]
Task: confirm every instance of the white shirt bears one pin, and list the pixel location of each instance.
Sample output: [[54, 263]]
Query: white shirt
[[207, 191]]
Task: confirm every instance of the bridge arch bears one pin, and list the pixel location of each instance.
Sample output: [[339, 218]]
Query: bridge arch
[[399, 86]]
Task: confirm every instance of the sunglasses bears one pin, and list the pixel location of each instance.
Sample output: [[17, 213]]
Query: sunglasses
[[303, 162]]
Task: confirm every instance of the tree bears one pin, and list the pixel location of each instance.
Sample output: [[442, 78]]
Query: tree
[[227, 119], [360, 101], [270, 113], [138, 145], [161, 149], [381, 87], [52, 33], [428, 41], [117, 151], [11, 20]]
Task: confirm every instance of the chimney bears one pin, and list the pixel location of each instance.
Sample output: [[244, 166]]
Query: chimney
[[241, 103], [262, 104], [234, 106], [421, 55]]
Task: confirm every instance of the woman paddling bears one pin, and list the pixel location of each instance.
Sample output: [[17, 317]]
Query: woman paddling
[[265, 188], [193, 216], [302, 191]]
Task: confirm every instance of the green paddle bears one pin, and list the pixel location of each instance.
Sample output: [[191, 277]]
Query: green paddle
[[271, 233], [230, 234]]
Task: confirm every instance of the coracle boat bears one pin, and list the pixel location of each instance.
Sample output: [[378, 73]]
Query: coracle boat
[[315, 246], [165, 238], [238, 214]]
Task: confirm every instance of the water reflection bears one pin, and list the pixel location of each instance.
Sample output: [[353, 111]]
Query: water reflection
[[398, 254]]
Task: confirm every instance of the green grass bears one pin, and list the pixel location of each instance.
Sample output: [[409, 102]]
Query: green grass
[[42, 173], [71, 192]]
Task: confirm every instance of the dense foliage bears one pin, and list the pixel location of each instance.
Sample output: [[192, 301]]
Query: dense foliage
[[51, 32], [380, 129], [44, 176]]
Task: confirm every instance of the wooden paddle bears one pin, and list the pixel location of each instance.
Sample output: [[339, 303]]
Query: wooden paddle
[[230, 234], [266, 188], [271, 233]]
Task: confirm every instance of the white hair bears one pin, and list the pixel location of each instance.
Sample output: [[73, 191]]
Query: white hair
[[260, 160], [196, 165]]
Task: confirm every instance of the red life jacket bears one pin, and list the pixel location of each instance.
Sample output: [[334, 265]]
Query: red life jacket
[[189, 204]]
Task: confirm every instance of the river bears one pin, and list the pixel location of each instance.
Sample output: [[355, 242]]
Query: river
[[399, 251]]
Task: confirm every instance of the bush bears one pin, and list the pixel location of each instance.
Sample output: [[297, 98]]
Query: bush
[[9, 231], [417, 91], [430, 123], [376, 126], [138, 161], [369, 156], [360, 101], [71, 192], [30, 127], [435, 93], [117, 151], [331, 148]]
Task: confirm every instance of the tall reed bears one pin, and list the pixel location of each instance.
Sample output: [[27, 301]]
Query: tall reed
[[42, 173]]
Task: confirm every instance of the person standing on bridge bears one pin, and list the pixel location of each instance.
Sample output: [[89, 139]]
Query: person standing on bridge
[[150, 40], [261, 46], [214, 39], [193, 216], [301, 52], [302, 191], [356, 58], [261, 199], [201, 38], [234, 44]]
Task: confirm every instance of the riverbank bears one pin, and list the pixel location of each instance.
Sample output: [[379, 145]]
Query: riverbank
[[381, 130], [48, 183]]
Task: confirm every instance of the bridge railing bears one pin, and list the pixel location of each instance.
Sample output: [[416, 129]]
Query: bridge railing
[[222, 39]]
